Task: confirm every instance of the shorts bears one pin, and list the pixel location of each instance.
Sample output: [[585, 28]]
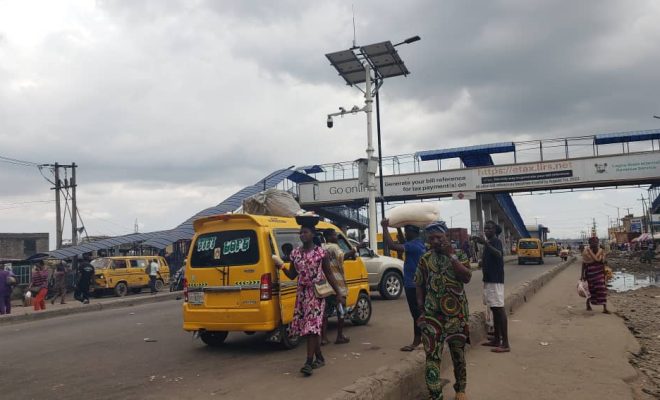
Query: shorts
[[494, 294]]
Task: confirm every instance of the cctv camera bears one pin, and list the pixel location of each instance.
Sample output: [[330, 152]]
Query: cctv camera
[[329, 121], [342, 109]]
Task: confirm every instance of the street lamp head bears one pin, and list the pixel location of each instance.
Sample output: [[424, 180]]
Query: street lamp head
[[412, 39], [330, 123]]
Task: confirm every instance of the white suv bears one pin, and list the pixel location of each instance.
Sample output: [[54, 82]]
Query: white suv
[[385, 273]]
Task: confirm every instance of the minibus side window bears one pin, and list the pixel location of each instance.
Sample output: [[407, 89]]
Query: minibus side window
[[286, 241]]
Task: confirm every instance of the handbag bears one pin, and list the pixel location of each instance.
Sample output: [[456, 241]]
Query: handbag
[[323, 289], [583, 289]]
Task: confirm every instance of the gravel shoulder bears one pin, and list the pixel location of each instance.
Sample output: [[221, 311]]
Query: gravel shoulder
[[640, 310]]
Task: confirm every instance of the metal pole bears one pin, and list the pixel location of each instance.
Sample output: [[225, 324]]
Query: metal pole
[[58, 209], [386, 250], [74, 209], [371, 173]]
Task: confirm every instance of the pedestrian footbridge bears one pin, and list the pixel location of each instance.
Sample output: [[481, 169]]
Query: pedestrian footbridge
[[486, 175]]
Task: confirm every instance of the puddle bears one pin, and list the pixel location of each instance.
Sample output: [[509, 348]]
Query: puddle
[[623, 281]]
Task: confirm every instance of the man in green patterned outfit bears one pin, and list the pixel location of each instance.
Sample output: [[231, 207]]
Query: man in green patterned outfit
[[440, 277]]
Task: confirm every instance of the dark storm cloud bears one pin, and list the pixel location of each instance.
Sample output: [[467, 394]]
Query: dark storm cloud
[[151, 93]]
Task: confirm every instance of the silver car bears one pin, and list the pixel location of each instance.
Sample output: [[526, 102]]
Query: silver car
[[385, 273]]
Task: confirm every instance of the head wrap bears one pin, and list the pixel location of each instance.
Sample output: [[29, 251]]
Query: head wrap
[[437, 226]]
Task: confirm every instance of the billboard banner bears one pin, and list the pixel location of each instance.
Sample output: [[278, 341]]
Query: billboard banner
[[557, 174], [636, 225]]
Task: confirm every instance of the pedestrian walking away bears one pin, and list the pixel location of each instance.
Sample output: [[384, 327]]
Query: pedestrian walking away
[[85, 279], [414, 249], [443, 304], [593, 271], [492, 265], [336, 258], [39, 286], [154, 271], [59, 286], [7, 282], [311, 265]]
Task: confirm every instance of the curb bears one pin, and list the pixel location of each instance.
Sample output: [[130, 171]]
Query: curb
[[406, 379], [98, 306]]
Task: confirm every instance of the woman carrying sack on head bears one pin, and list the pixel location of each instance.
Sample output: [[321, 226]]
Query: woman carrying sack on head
[[310, 264]]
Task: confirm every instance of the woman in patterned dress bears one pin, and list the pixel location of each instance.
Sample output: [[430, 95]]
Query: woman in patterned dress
[[593, 270], [309, 263], [443, 304]]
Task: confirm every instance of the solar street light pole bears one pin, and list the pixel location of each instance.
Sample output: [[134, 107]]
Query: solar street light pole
[[371, 169]]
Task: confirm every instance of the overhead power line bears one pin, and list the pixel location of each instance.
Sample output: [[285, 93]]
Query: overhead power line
[[16, 161]]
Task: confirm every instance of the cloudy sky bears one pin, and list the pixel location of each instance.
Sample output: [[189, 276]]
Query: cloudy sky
[[170, 106]]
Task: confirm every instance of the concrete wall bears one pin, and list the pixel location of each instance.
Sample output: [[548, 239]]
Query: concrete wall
[[19, 246]]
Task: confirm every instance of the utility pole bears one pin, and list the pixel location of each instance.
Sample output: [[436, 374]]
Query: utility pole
[[58, 209], [68, 184], [74, 208], [644, 215]]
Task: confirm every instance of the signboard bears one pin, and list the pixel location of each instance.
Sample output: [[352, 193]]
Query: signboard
[[636, 225], [475, 228], [655, 219], [596, 171]]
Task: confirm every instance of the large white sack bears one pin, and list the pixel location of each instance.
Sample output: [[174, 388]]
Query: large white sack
[[418, 214], [272, 202]]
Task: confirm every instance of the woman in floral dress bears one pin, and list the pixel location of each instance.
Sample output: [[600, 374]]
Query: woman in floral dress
[[310, 264]]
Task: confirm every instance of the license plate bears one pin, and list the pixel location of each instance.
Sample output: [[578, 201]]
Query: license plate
[[196, 297]]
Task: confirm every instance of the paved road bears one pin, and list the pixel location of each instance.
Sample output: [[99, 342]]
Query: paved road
[[103, 355]]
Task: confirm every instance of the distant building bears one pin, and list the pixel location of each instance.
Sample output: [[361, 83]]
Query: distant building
[[19, 246]]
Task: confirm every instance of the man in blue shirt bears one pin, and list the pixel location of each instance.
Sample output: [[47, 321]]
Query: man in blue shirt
[[414, 249]]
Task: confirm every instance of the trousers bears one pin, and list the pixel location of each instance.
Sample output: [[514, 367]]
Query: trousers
[[433, 348], [39, 302], [411, 296]]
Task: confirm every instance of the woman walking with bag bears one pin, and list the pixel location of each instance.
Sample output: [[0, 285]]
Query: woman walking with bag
[[39, 285], [593, 271], [310, 264]]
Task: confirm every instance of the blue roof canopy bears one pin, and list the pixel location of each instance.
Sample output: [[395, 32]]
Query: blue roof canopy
[[457, 152], [624, 137]]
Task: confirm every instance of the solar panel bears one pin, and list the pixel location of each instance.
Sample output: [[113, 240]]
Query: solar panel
[[348, 66], [385, 59]]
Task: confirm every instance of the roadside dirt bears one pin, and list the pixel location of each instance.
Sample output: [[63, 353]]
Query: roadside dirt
[[640, 310]]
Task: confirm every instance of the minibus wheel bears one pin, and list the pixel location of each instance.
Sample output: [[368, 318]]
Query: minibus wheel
[[288, 341], [213, 339], [121, 289], [362, 312]]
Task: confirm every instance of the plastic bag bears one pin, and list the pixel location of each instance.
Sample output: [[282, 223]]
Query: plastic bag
[[28, 294], [418, 214], [583, 289]]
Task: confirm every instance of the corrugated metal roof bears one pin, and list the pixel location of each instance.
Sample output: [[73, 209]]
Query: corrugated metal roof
[[460, 152], [623, 137]]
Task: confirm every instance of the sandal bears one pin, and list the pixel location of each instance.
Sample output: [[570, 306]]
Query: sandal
[[490, 344], [408, 348], [318, 364], [307, 369], [461, 396], [343, 340], [501, 350]]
